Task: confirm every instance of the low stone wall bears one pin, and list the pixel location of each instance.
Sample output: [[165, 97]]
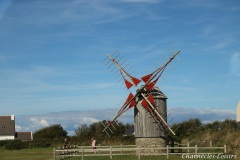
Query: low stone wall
[[150, 143]]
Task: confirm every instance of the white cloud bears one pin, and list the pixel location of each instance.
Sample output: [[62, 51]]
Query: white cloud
[[197, 4], [70, 120], [18, 128], [142, 1], [65, 13], [4, 5], [43, 87], [89, 120], [235, 64], [1, 58], [204, 114], [207, 31], [36, 123], [223, 43]]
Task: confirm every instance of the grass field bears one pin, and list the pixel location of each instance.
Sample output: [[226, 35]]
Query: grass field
[[127, 158], [47, 154], [27, 154]]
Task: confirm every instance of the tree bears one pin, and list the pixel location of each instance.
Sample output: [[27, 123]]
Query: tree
[[82, 131], [48, 136], [51, 132], [187, 128]]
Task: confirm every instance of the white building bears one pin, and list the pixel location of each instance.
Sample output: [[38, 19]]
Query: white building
[[7, 130], [7, 127], [238, 112]]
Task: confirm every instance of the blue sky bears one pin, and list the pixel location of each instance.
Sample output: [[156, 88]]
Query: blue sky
[[51, 55]]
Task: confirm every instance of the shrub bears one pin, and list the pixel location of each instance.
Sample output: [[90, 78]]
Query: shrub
[[3, 143], [48, 136], [16, 145], [50, 132], [40, 143]]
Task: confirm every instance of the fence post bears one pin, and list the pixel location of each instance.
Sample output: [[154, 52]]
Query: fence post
[[82, 153], [180, 150], [54, 154], [210, 143], [225, 149], [172, 146], [121, 148], [98, 148], [167, 151], [139, 152], [110, 152], [195, 149], [188, 147]]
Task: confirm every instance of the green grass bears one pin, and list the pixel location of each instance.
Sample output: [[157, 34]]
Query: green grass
[[47, 154], [127, 158], [171, 157], [119, 158], [27, 154]]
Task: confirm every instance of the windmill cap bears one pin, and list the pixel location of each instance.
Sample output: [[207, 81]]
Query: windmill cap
[[157, 93]]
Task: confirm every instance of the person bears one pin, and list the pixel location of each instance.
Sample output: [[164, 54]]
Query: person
[[93, 145], [66, 145]]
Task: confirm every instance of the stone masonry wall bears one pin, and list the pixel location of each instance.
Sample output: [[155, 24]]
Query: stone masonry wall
[[150, 143]]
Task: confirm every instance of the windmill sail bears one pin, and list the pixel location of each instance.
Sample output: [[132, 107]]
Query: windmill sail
[[150, 81]]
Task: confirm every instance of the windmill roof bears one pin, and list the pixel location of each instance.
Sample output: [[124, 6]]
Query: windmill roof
[[157, 93]]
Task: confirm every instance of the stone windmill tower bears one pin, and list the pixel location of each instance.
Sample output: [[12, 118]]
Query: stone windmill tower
[[148, 131], [150, 107]]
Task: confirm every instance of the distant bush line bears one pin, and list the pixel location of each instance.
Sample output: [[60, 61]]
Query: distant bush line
[[54, 135]]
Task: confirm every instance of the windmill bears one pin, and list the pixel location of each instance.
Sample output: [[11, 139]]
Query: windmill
[[149, 102]]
